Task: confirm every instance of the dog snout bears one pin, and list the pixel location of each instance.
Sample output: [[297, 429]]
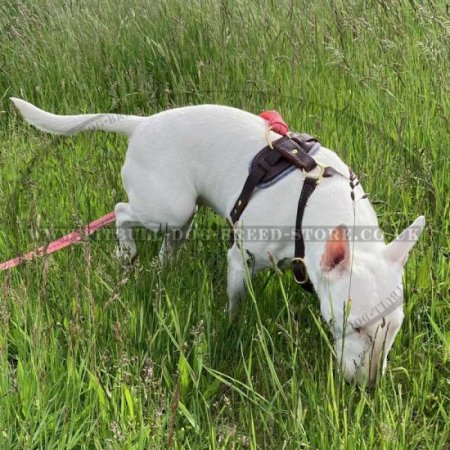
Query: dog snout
[[367, 372], [360, 374], [359, 362]]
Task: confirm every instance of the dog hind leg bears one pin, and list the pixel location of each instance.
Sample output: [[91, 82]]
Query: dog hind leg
[[125, 221]]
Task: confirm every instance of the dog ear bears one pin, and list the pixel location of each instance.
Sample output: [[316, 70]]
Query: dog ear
[[337, 251], [397, 251]]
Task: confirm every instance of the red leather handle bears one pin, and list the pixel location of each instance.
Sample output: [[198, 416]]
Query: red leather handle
[[276, 122]]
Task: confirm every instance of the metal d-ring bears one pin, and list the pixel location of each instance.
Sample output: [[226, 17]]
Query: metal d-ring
[[317, 177], [297, 260], [269, 143]]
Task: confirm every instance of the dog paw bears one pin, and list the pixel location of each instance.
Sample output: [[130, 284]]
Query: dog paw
[[124, 254]]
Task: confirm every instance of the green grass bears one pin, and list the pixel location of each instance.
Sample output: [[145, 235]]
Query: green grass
[[93, 355]]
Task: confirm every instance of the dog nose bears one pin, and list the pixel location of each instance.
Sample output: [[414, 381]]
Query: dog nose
[[362, 375]]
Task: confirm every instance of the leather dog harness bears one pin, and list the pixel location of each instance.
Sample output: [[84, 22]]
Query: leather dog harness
[[285, 154]]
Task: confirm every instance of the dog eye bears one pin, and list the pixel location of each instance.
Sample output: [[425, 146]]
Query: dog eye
[[358, 330]]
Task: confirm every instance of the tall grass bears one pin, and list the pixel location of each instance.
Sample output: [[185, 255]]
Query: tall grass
[[94, 355]]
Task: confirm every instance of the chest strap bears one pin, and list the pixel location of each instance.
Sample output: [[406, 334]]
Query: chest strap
[[283, 153]]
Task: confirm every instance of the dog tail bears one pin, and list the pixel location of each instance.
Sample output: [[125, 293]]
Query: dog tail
[[68, 125]]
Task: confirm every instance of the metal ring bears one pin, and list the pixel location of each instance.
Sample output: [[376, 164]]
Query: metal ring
[[300, 260], [317, 177], [269, 143]]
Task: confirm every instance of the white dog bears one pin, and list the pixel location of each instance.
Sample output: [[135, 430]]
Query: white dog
[[194, 154]]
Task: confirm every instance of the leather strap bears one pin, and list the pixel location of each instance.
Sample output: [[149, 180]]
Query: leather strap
[[306, 141], [298, 264], [297, 154]]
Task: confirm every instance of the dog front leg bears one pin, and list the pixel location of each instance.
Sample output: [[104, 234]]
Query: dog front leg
[[235, 281]]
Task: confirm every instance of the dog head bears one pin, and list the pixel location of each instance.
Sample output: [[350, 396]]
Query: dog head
[[361, 297]]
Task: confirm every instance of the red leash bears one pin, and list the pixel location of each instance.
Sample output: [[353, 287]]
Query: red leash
[[62, 242], [276, 124]]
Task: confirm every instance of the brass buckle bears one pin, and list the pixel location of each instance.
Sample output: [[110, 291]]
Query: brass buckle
[[297, 260], [317, 177]]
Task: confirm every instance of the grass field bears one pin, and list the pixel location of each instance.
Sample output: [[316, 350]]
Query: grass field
[[93, 355]]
